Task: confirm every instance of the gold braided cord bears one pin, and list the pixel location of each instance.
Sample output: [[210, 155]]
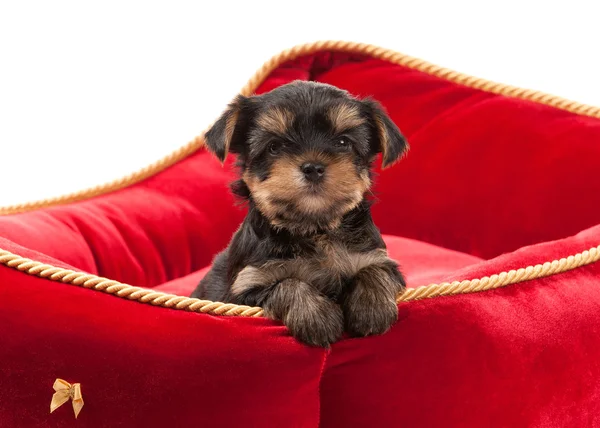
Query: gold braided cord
[[142, 295], [165, 300], [301, 50], [502, 279]]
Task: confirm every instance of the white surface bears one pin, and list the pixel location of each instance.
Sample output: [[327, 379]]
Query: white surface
[[92, 91]]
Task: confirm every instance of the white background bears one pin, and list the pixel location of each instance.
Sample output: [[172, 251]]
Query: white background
[[92, 91]]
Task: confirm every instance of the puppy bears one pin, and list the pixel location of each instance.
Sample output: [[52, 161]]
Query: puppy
[[308, 251]]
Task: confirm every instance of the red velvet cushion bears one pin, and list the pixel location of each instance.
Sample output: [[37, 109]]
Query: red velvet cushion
[[491, 179]]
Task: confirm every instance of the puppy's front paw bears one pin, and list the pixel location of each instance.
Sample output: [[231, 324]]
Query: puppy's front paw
[[319, 323], [370, 308], [311, 317]]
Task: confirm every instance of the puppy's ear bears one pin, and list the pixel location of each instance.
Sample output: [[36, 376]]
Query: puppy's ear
[[228, 133], [387, 138]]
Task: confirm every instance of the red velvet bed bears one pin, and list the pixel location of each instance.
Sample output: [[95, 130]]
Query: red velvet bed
[[494, 216]]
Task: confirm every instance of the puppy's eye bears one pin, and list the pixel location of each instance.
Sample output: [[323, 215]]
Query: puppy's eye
[[275, 147], [343, 143]]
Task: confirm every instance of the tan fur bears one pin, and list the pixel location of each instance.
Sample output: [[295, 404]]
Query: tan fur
[[342, 189], [385, 140], [344, 117], [284, 182], [276, 121], [229, 128], [249, 277], [336, 257], [383, 137]]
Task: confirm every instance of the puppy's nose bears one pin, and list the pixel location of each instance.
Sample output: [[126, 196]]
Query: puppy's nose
[[313, 171]]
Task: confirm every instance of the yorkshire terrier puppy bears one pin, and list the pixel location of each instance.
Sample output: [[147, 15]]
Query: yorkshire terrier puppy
[[308, 251]]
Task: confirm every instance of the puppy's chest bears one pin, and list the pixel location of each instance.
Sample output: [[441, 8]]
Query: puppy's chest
[[321, 252], [327, 263], [333, 256], [336, 260]]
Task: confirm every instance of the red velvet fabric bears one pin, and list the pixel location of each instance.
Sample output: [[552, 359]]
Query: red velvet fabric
[[490, 184]]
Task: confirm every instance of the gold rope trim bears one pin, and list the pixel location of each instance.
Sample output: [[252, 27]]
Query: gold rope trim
[[301, 50], [165, 300]]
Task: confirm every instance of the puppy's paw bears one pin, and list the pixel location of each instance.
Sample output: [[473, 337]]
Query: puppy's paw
[[311, 317], [316, 325], [370, 308], [370, 316]]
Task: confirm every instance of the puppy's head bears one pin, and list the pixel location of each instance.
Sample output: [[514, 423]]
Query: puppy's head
[[305, 150]]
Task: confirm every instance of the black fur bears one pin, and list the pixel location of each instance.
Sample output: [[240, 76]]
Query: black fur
[[322, 295]]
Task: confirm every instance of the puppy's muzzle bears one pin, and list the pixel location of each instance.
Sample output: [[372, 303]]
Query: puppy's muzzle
[[313, 171]]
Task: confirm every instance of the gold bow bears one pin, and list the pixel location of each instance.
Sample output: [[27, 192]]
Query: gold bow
[[64, 392]]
